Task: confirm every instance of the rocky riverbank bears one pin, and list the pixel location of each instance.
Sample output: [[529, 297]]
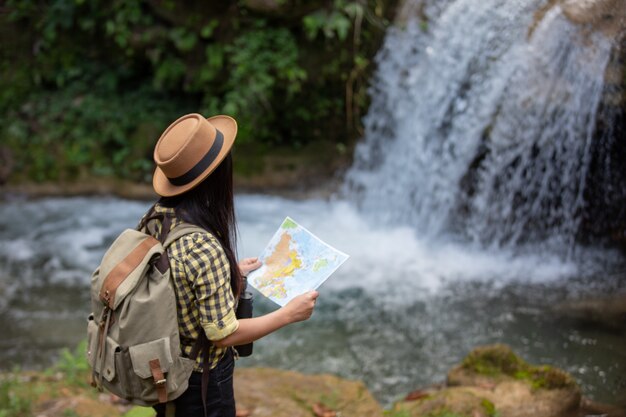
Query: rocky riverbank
[[491, 381], [313, 171]]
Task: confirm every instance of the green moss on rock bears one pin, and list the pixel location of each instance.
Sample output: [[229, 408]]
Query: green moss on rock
[[500, 360], [452, 402], [546, 377], [493, 360]]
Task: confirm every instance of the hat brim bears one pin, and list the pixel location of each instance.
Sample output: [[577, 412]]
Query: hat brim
[[225, 124]]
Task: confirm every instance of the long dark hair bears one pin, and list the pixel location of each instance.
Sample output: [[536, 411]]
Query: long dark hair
[[211, 206]]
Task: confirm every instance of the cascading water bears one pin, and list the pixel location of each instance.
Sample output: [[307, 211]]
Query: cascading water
[[481, 128], [482, 123]]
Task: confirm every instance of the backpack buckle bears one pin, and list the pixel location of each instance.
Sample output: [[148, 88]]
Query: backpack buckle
[[159, 380]]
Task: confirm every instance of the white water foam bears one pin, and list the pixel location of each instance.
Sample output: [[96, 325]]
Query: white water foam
[[480, 129], [62, 235]]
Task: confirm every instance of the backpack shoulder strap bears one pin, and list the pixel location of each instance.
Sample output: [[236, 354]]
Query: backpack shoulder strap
[[202, 344], [169, 236], [180, 231]]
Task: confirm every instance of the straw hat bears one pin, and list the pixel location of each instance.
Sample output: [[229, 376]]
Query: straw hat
[[189, 150]]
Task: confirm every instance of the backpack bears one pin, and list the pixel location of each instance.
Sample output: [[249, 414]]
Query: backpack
[[133, 340]]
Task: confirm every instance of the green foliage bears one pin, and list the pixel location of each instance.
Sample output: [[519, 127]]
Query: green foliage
[[74, 364], [75, 133], [12, 404], [334, 23], [81, 80], [140, 412], [489, 407], [265, 74]]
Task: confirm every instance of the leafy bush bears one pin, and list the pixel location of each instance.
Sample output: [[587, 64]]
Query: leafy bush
[[87, 86]]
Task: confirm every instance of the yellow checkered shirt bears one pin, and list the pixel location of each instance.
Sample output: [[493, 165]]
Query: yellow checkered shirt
[[201, 275]]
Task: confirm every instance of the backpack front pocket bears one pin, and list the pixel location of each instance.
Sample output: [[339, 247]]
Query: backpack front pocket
[[106, 366], [151, 363]]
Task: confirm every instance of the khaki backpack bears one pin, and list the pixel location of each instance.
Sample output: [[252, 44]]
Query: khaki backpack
[[133, 341]]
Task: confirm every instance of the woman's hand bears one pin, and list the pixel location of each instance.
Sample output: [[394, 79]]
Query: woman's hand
[[249, 330], [301, 307], [248, 265]]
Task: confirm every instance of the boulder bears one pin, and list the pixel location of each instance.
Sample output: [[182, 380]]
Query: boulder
[[454, 401], [265, 392], [494, 381]]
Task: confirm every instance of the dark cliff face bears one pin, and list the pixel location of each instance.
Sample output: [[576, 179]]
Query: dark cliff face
[[605, 212]]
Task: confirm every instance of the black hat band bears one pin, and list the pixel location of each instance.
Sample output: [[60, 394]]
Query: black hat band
[[203, 164]]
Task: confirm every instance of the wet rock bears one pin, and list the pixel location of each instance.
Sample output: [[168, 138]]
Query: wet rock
[[277, 393], [607, 312], [606, 15], [591, 408], [457, 401], [494, 381]]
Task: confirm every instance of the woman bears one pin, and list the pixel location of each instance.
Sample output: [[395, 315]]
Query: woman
[[194, 179]]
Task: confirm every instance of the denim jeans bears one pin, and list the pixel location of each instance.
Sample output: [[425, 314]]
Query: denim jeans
[[220, 399]]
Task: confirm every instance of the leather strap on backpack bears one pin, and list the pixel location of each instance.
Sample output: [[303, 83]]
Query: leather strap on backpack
[[159, 380], [163, 263], [121, 271], [202, 345]]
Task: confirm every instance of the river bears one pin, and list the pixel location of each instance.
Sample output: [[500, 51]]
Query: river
[[397, 315]]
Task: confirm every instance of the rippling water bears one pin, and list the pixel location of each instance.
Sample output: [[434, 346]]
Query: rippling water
[[397, 315]]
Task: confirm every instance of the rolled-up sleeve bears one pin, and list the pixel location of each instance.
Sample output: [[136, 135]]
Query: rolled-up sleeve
[[207, 265]]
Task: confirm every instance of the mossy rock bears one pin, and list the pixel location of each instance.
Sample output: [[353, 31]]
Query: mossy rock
[[518, 399], [514, 387], [486, 366], [451, 402], [506, 399], [493, 360]]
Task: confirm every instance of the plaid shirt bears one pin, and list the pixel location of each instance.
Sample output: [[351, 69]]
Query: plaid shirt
[[201, 275]]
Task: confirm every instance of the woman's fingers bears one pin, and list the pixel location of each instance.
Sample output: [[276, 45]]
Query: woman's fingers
[[248, 265], [301, 307]]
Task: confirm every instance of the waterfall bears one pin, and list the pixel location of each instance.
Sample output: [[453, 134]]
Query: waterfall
[[482, 123]]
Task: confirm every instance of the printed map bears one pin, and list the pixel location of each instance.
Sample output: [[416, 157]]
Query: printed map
[[294, 262]]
